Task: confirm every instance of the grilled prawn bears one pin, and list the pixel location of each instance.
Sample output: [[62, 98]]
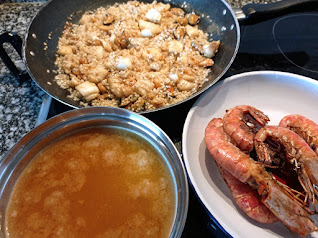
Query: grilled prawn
[[297, 152], [275, 197], [241, 123], [304, 127], [247, 199]]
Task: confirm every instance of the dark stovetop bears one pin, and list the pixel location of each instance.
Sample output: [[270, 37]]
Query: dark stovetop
[[288, 43]]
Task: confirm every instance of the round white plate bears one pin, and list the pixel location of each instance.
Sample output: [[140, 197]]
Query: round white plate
[[276, 94]]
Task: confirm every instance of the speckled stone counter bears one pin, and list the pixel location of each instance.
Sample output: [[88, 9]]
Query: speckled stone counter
[[20, 104]]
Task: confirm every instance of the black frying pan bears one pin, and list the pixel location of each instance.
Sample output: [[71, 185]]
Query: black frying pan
[[47, 26]]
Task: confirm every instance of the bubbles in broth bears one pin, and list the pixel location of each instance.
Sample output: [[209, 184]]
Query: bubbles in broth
[[97, 182]]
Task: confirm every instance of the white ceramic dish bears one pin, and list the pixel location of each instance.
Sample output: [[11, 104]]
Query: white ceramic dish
[[276, 94]]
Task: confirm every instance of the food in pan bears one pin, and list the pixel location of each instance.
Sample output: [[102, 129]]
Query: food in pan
[[96, 182], [271, 170], [134, 55]]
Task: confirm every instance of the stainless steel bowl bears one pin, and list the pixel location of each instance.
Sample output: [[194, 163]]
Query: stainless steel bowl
[[31, 144]]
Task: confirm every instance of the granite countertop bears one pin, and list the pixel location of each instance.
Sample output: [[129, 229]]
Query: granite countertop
[[21, 103]]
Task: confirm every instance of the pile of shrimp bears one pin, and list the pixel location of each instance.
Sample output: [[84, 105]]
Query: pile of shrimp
[[272, 171]]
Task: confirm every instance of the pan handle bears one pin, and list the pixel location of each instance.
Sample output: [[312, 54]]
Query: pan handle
[[254, 13], [16, 41]]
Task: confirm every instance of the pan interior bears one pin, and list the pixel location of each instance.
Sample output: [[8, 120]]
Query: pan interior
[[40, 46]]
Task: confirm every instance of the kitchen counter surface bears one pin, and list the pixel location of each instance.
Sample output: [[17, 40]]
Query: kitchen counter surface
[[20, 103]]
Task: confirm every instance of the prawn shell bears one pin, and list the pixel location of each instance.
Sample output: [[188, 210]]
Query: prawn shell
[[304, 127], [298, 153], [247, 199], [241, 133], [224, 152]]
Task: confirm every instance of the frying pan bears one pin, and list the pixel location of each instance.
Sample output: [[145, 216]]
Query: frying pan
[[46, 27]]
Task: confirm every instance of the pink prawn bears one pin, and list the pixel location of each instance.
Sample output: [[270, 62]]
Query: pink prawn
[[304, 127], [247, 199], [275, 197], [241, 123], [297, 152]]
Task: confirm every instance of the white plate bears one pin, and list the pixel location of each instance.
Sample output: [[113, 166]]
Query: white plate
[[276, 94]]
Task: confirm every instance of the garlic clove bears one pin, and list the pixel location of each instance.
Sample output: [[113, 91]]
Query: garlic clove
[[124, 63], [174, 77], [146, 33], [153, 15]]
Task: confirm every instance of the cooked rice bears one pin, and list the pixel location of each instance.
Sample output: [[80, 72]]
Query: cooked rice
[[134, 55]]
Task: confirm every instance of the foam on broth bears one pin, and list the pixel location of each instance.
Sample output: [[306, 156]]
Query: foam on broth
[[97, 182]]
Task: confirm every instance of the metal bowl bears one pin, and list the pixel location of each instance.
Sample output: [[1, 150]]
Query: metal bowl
[[31, 144]]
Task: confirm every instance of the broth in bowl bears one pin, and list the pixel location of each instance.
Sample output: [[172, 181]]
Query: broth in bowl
[[94, 182]]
